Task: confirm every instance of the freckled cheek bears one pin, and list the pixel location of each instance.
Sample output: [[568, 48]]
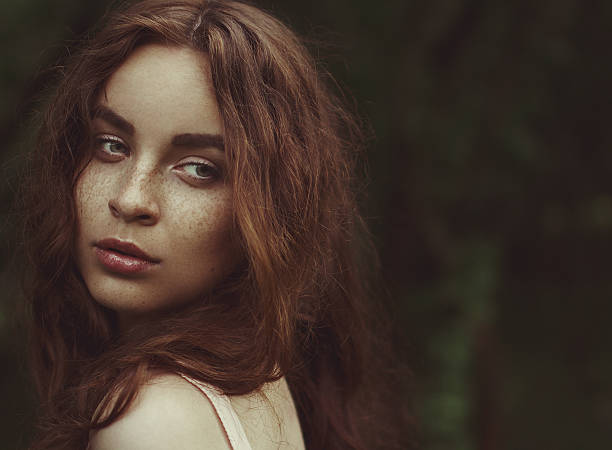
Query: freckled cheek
[[91, 197], [206, 228], [83, 197]]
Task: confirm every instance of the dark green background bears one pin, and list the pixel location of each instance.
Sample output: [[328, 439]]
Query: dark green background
[[491, 201]]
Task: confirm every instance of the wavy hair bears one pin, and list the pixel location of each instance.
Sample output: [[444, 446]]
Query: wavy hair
[[296, 308]]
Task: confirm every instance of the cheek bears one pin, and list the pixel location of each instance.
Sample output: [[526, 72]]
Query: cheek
[[87, 193], [206, 232], [83, 198]]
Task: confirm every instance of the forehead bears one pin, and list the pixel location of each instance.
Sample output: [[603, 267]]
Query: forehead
[[168, 85]]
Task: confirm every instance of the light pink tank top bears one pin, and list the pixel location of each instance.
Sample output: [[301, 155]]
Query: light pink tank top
[[229, 420]]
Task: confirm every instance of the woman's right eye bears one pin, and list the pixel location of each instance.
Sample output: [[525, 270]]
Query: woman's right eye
[[110, 148]]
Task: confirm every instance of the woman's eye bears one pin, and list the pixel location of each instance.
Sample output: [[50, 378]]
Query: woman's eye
[[111, 147], [200, 171]]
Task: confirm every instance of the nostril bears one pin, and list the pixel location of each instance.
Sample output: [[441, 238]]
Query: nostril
[[145, 219], [113, 209]]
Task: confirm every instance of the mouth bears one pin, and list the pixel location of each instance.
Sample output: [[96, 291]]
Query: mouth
[[123, 257]]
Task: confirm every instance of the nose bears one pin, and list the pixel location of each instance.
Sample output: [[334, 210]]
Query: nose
[[134, 200]]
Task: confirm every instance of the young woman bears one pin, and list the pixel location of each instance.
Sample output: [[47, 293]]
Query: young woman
[[193, 239]]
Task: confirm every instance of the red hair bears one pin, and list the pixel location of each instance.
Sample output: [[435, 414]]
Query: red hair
[[296, 308]]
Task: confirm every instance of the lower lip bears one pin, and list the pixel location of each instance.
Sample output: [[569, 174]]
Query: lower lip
[[122, 263]]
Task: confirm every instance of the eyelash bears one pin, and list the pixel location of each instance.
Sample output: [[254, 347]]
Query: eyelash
[[114, 156]]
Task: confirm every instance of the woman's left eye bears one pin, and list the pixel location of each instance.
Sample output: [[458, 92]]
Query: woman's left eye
[[200, 171]]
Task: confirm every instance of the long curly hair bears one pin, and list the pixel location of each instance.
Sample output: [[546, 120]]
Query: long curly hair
[[296, 307]]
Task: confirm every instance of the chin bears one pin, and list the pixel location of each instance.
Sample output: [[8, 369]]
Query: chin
[[132, 299]]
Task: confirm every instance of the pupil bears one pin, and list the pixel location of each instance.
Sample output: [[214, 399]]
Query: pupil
[[202, 170]]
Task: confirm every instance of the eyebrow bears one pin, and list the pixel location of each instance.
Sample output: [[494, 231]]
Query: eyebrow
[[110, 116], [202, 140], [198, 140]]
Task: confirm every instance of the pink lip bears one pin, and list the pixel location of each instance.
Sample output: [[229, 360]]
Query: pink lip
[[123, 257]]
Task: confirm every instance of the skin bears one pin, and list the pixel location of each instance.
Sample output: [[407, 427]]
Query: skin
[[145, 186]]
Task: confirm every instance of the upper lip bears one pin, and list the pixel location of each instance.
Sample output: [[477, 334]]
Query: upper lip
[[125, 247]]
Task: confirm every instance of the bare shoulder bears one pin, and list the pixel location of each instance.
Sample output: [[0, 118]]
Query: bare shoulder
[[269, 418], [167, 413]]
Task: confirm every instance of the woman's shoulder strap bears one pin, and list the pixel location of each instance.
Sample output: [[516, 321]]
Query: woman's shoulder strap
[[229, 419]]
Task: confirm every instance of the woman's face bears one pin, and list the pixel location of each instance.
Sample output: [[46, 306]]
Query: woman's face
[[154, 207]]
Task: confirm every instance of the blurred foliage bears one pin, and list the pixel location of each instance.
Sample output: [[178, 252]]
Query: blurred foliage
[[489, 199]]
